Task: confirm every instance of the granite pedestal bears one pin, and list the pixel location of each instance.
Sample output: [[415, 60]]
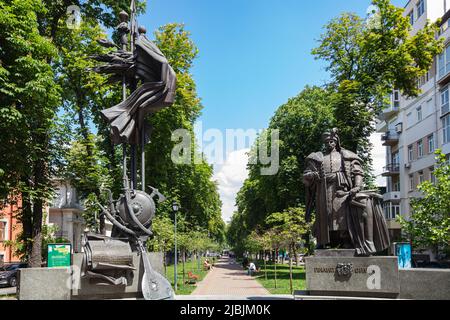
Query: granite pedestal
[[85, 288], [67, 283], [341, 273]]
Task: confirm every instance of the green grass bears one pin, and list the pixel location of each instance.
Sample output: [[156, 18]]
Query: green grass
[[298, 278], [183, 288]]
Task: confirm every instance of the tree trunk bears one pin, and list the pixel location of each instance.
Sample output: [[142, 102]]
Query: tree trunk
[[290, 272], [38, 206], [36, 251], [165, 260], [295, 255], [265, 267], [184, 260], [27, 223], [275, 267]]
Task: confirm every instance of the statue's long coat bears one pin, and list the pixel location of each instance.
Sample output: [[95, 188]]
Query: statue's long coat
[[364, 216]]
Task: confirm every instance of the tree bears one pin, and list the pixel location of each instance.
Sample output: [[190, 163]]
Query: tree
[[259, 241], [190, 183], [429, 224], [29, 98], [301, 122], [276, 242], [367, 59], [163, 237], [290, 225], [237, 231]]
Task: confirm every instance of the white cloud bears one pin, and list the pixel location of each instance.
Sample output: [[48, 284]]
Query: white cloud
[[231, 174], [230, 177], [379, 158]]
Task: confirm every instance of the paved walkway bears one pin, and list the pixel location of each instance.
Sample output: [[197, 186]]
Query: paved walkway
[[228, 279]]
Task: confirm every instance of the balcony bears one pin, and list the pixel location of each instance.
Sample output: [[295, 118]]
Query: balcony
[[389, 112], [390, 138], [393, 224], [391, 170], [393, 196]]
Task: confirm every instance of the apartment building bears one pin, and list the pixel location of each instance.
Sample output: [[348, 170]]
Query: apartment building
[[414, 128], [10, 228]]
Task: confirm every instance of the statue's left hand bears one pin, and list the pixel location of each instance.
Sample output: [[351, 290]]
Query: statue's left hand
[[354, 191]]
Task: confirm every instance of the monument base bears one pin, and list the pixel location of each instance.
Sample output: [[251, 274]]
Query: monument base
[[67, 283], [85, 288], [341, 273]]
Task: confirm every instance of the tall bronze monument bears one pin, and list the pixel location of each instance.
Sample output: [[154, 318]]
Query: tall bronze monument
[[111, 262], [347, 216]]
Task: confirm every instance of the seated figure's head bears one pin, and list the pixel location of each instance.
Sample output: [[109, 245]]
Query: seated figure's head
[[331, 140]]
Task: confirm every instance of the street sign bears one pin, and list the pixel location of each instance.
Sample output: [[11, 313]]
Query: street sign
[[59, 255]]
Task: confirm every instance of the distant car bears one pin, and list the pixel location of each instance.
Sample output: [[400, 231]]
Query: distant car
[[8, 273]]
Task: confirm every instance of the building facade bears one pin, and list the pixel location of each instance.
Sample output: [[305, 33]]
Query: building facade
[[10, 228], [65, 213], [414, 128]]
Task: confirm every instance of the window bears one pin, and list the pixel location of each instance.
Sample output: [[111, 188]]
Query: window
[[430, 107], [391, 210], [395, 158], [419, 113], [422, 80], [409, 120], [420, 149], [396, 186], [410, 153], [432, 177], [396, 98], [420, 8], [431, 144], [444, 62], [411, 182], [446, 128], [421, 177], [411, 17], [3, 231], [444, 101]]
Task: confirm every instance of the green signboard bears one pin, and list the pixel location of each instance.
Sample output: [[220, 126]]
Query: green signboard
[[59, 255]]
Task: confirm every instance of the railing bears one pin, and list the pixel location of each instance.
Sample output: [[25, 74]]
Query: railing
[[390, 136], [392, 168]]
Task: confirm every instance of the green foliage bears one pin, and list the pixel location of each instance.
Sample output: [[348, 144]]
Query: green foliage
[[301, 122], [26, 81], [45, 84], [290, 226], [429, 224], [191, 184], [367, 59], [163, 234], [29, 97]]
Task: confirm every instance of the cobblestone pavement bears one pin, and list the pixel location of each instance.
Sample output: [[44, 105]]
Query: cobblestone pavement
[[228, 279]]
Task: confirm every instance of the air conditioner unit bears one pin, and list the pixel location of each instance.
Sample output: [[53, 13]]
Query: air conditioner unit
[[408, 165], [399, 127]]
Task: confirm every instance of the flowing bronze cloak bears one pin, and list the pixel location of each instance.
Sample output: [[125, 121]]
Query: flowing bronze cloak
[[157, 90]]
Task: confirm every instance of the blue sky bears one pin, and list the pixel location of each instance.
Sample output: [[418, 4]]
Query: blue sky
[[254, 55]]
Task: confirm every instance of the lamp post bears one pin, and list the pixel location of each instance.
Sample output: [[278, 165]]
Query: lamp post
[[175, 208]]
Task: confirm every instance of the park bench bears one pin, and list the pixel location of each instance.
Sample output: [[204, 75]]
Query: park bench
[[192, 278]]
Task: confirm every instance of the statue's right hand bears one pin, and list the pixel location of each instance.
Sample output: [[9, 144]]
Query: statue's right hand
[[311, 175]]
